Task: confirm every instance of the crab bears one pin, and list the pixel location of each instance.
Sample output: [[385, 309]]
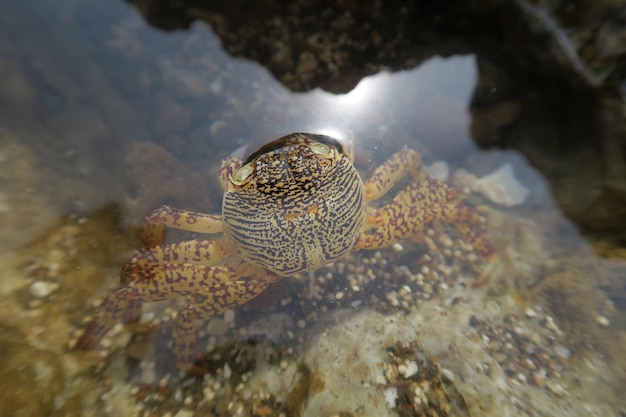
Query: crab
[[295, 205]]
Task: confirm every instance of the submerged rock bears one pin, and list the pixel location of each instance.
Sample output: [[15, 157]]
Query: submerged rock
[[500, 187]]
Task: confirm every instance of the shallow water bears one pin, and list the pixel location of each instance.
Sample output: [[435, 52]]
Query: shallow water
[[103, 119]]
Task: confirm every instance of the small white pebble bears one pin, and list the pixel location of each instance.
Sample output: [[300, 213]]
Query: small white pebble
[[448, 374], [550, 324], [41, 289], [530, 313], [392, 298], [557, 389], [397, 247], [339, 295], [148, 376], [602, 321], [227, 371], [208, 394], [229, 316], [164, 381], [562, 351], [183, 412], [410, 369], [391, 395]]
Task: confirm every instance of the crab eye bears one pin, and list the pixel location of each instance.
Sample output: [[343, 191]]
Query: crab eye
[[320, 149], [243, 174]]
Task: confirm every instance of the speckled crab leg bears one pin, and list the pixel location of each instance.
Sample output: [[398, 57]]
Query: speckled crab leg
[[149, 275], [419, 204], [407, 161], [206, 303], [166, 216], [198, 252], [217, 286]]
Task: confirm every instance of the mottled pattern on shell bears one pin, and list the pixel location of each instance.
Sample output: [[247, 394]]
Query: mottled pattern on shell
[[300, 210]]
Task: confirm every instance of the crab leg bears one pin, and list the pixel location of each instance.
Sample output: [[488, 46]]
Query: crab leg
[[154, 283], [198, 252], [407, 161], [150, 276], [166, 216], [206, 303], [425, 201], [415, 208], [210, 291]]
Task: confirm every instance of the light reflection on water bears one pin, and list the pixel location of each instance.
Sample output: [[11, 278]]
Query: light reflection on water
[[116, 113]]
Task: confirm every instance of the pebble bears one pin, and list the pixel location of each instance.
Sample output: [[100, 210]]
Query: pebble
[[539, 379], [411, 369], [401, 369], [557, 389], [391, 395], [438, 170], [602, 321], [209, 394], [164, 381], [184, 413], [500, 187], [42, 289], [562, 351], [448, 374], [148, 376], [229, 316], [550, 324]]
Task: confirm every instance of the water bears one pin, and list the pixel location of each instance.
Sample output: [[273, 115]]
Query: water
[[103, 119]]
